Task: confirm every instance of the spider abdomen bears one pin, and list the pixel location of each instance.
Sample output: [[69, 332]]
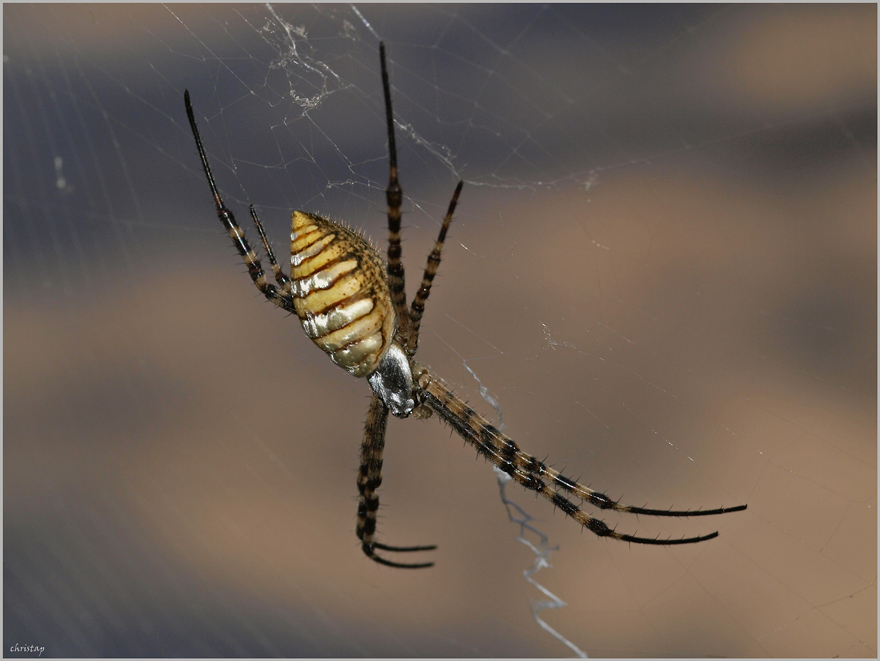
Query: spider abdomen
[[340, 292]]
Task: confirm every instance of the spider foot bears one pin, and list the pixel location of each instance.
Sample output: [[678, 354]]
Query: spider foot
[[670, 512], [369, 550], [404, 549], [601, 528]]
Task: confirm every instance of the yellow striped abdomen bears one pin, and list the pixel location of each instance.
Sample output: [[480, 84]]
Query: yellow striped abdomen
[[340, 292]]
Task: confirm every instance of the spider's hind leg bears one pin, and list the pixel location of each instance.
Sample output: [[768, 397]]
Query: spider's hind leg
[[282, 299], [369, 479], [394, 199], [408, 320], [418, 304], [280, 276]]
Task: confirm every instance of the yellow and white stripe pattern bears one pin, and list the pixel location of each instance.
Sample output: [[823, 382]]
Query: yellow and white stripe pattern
[[340, 292]]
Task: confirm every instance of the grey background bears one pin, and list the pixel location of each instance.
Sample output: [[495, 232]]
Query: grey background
[[663, 268]]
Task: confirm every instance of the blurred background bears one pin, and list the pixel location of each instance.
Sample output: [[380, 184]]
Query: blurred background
[[661, 277]]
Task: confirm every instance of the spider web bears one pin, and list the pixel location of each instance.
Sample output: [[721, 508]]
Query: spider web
[[662, 274]]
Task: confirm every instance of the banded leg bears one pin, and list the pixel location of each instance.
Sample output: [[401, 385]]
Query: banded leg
[[369, 479], [255, 268], [532, 473], [418, 304], [394, 199], [280, 276]]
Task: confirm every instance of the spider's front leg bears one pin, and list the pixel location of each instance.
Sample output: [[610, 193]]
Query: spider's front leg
[[535, 475], [369, 479]]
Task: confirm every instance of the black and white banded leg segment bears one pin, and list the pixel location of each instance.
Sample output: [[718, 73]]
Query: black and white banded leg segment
[[408, 323], [369, 479], [281, 298], [535, 475]]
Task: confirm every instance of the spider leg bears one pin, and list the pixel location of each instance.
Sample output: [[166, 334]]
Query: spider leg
[[255, 268], [369, 479], [536, 475], [394, 199], [418, 304], [280, 276]]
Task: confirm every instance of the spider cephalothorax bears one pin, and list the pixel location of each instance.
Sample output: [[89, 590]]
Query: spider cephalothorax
[[353, 306]]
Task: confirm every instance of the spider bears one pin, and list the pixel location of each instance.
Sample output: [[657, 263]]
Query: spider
[[353, 305]]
